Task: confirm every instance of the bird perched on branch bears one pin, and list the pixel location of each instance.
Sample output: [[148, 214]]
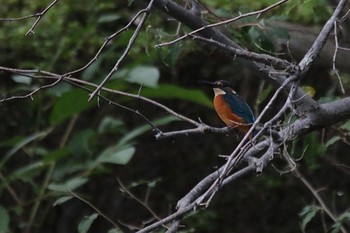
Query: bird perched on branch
[[230, 107]]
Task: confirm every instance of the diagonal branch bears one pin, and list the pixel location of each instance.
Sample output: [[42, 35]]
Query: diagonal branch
[[224, 22], [268, 73], [37, 15], [146, 12], [326, 115], [321, 39]]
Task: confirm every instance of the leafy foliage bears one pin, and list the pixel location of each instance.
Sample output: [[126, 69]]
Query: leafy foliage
[[57, 141]]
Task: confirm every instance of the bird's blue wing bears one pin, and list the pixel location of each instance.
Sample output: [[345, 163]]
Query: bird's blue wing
[[239, 106]]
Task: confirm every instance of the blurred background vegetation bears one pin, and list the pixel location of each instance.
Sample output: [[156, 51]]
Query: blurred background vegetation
[[57, 141]]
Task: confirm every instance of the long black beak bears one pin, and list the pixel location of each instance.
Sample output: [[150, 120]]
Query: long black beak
[[207, 83]]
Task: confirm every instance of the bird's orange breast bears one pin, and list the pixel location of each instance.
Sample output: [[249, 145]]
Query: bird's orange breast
[[225, 113]]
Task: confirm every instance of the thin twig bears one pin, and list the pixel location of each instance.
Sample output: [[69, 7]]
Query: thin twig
[[30, 95], [39, 16], [50, 75], [335, 57], [95, 209], [146, 12], [10, 190], [105, 43], [315, 194], [321, 39], [252, 56], [144, 204], [225, 22]]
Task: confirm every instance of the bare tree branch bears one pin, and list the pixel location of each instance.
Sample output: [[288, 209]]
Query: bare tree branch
[[37, 15], [146, 12], [320, 41], [330, 112], [275, 77], [225, 22], [335, 57], [252, 56], [248, 156]]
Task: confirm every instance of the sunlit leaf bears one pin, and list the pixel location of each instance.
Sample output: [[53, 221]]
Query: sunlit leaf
[[86, 222], [21, 79], [68, 185], [115, 155], [309, 90], [144, 75]]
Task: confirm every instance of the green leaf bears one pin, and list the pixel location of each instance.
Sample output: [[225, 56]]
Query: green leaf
[[28, 171], [259, 38], [4, 220], [72, 102], [171, 54], [107, 18], [115, 155], [82, 142], [90, 72], [24, 142], [12, 141], [307, 214], [345, 217], [86, 222], [309, 90], [314, 150], [168, 91], [279, 32], [145, 75], [114, 230], [144, 128], [110, 124], [59, 89], [68, 185], [264, 94], [55, 155], [332, 141], [21, 79], [346, 126], [62, 200]]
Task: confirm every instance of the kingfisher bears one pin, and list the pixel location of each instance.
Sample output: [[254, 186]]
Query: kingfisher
[[230, 107]]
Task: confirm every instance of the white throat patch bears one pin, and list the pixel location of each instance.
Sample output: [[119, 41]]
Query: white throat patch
[[218, 91]]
